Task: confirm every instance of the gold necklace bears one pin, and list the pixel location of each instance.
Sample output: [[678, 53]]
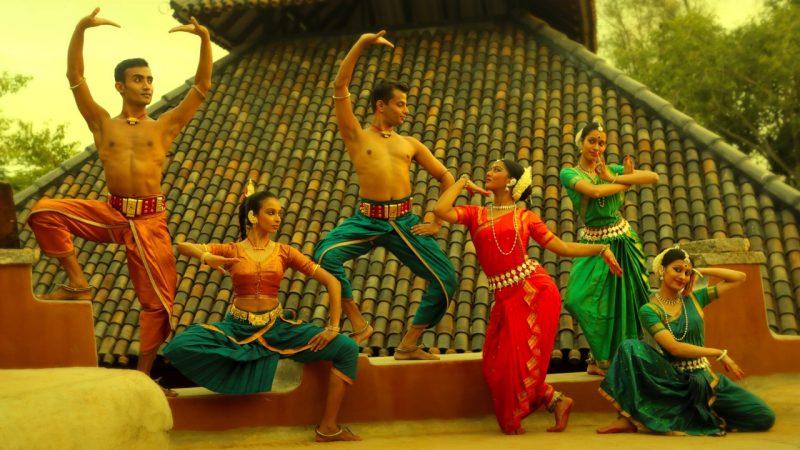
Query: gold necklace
[[594, 179], [384, 133], [253, 246], [516, 230], [135, 120]]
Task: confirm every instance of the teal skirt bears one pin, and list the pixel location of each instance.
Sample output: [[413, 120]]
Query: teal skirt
[[220, 358], [644, 387]]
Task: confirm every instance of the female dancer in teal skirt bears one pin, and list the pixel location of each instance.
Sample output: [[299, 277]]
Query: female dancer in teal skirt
[[239, 355], [605, 305], [669, 387]]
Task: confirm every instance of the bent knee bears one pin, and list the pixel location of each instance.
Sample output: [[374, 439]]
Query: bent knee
[[765, 420]]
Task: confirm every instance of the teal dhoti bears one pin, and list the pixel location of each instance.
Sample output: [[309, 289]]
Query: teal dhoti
[[236, 357], [359, 234]]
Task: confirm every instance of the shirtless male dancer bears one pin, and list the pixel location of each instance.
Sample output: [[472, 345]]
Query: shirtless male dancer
[[382, 160], [132, 148]]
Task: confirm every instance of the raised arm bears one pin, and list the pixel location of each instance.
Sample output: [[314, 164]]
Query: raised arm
[[178, 117], [91, 111], [731, 279], [201, 252], [444, 206], [348, 124], [437, 170]]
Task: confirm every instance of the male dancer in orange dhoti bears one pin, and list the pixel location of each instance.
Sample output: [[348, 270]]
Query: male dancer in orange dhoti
[[132, 147]]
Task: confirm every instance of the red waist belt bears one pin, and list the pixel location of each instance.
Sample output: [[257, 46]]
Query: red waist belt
[[389, 212], [137, 206]]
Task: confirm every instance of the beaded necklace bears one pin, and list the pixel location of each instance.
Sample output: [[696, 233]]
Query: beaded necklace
[[673, 301], [594, 179], [516, 227]]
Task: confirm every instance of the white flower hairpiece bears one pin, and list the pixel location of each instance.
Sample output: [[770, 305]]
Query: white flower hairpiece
[[522, 184], [658, 265]]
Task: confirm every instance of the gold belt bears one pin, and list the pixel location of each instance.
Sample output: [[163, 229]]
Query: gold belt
[[257, 319], [691, 365], [620, 228], [513, 276]]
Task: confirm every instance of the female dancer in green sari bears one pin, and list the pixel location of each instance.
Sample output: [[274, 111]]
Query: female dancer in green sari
[[669, 387], [605, 305]]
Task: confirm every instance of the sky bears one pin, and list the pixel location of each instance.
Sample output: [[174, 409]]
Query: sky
[[41, 30]]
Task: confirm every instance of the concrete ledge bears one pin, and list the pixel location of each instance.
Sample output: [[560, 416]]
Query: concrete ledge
[[82, 408]]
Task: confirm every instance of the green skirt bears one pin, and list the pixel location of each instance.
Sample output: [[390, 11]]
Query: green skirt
[[655, 396], [214, 356], [607, 306]]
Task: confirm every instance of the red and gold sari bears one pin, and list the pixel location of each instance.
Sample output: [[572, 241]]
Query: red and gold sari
[[524, 318]]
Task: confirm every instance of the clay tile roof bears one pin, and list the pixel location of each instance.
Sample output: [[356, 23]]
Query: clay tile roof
[[513, 89]]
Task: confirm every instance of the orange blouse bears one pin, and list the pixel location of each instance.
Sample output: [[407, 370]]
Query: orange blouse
[[264, 277]]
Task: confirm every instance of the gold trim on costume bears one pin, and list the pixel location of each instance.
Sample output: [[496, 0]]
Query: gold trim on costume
[[140, 249], [425, 263], [342, 244]]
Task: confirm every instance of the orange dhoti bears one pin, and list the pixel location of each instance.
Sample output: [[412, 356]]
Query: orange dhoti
[[151, 262]]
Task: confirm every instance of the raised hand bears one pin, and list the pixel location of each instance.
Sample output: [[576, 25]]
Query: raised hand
[[375, 39], [602, 170], [732, 368], [611, 262], [92, 20], [473, 189], [193, 28], [627, 164]]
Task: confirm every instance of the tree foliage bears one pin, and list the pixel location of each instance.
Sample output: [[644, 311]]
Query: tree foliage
[[27, 153], [742, 83]]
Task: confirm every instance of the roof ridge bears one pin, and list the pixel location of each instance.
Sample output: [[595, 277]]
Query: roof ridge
[[769, 181], [164, 103]]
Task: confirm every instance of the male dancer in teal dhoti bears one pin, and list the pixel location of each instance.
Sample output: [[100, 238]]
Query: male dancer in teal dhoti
[[382, 159]]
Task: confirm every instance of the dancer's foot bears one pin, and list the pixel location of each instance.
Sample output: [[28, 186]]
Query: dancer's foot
[[67, 292], [343, 434], [621, 425], [362, 334], [594, 369], [561, 412], [403, 354], [519, 430]]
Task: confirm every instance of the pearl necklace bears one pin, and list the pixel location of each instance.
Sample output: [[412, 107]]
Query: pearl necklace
[[516, 228], [601, 202], [673, 301]]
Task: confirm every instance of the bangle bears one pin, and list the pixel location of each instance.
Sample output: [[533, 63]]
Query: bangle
[[614, 180], [603, 250], [333, 328], [203, 257], [722, 355], [464, 178], [78, 83], [335, 97], [194, 86]]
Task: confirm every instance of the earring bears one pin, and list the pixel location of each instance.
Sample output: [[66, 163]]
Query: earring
[[511, 182], [251, 217]]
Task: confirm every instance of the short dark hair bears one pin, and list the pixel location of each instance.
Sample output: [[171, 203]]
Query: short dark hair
[[119, 71], [384, 90]]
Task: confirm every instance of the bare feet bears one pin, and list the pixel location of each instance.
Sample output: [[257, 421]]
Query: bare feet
[[621, 425], [594, 369], [404, 354], [519, 430], [66, 292], [562, 409], [363, 334], [343, 434]]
